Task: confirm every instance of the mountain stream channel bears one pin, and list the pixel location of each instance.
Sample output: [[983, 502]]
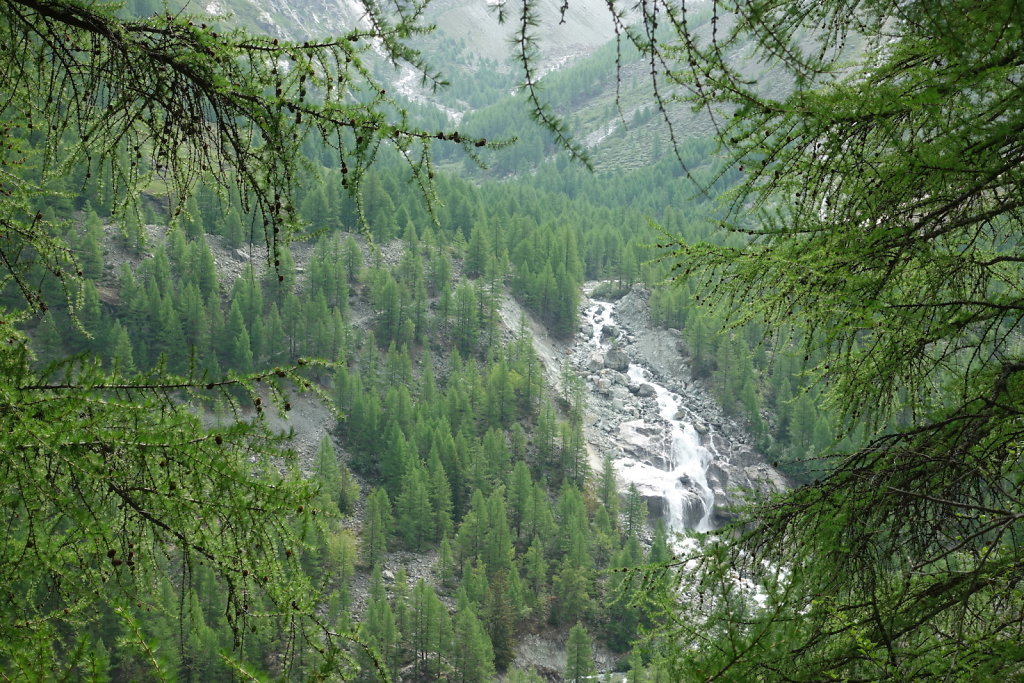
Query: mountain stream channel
[[665, 433]]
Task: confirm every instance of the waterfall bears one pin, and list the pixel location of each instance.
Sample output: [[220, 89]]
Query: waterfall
[[680, 474]]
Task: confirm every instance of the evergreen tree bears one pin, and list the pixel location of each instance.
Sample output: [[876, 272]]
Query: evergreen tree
[[90, 246], [108, 475], [478, 252], [622, 608], [445, 566], [636, 512], [500, 620], [579, 664], [574, 466], [121, 358], [470, 538], [400, 602], [473, 658], [376, 527], [497, 551], [544, 436], [348, 491], [195, 325], [520, 497], [659, 553], [608, 490], [467, 319], [380, 629], [439, 492], [204, 269], [880, 234], [571, 590], [328, 473], [232, 230], [133, 234], [415, 521], [431, 632], [169, 340], [237, 347], [352, 257], [536, 569]]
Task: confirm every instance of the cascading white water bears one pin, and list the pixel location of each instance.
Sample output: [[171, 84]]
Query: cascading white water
[[685, 459], [600, 316], [684, 453]]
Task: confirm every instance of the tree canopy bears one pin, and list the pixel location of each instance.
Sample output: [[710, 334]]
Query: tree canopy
[[174, 98], [111, 482], [879, 192], [876, 185]]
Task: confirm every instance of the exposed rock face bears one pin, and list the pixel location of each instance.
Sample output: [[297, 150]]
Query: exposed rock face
[[625, 420], [657, 506], [624, 424]]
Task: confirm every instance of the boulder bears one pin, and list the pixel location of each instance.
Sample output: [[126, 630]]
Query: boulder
[[616, 359], [718, 478], [693, 510], [657, 506], [657, 460], [620, 392], [766, 478], [645, 390], [648, 429]]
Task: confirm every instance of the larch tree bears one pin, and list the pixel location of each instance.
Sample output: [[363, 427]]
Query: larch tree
[[579, 662], [108, 479], [877, 182]]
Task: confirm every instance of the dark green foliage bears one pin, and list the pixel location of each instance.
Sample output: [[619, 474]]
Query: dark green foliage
[[377, 525], [337, 484], [380, 630], [579, 663], [876, 218], [415, 523], [500, 620], [431, 633], [257, 558], [473, 658]]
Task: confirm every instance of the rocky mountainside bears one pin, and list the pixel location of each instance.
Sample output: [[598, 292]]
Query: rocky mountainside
[[475, 26], [608, 110], [615, 402], [624, 420]]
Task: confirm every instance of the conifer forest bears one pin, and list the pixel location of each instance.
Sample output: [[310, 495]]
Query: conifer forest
[[461, 340]]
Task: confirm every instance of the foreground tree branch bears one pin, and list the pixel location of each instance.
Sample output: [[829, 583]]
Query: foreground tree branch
[[880, 196], [112, 484]]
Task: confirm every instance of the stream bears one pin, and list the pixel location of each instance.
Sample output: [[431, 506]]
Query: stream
[[672, 459]]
